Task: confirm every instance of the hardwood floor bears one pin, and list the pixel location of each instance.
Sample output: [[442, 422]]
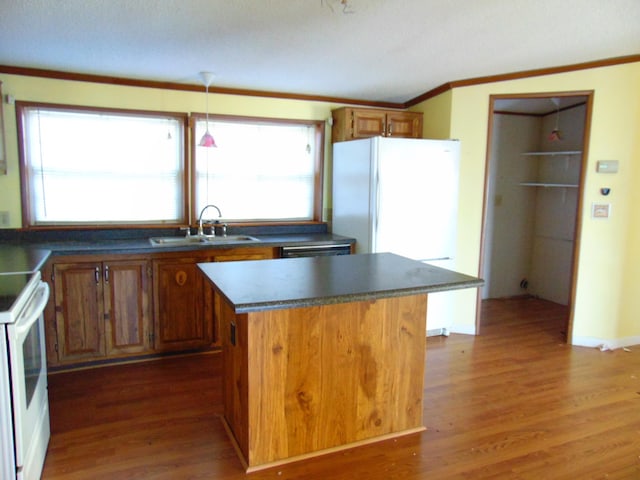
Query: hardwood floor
[[512, 403]]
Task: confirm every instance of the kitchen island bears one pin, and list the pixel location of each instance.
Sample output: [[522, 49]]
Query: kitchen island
[[322, 354]]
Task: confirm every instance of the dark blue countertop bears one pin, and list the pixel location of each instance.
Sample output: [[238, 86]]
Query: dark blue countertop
[[301, 282]]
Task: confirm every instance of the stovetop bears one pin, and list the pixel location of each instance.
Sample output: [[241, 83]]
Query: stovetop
[[15, 291], [17, 259]]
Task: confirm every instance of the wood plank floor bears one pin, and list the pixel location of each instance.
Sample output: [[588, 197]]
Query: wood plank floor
[[513, 403]]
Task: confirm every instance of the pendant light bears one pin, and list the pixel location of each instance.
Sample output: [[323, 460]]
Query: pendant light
[[555, 134], [207, 139]]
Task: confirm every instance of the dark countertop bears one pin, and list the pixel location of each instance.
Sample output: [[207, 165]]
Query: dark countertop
[[301, 282], [21, 259], [136, 241], [133, 246]]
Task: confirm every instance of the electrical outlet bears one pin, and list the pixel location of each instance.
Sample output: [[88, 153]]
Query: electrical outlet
[[4, 219]]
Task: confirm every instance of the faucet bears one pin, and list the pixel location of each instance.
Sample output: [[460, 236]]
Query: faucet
[[200, 230]]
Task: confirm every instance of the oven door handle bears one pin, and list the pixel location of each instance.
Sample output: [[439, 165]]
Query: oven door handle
[[33, 310]]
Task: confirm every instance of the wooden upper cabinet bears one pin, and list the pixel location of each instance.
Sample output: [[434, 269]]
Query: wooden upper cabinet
[[352, 123], [404, 124], [365, 123]]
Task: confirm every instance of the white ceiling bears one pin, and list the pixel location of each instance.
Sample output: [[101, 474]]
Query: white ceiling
[[381, 50]]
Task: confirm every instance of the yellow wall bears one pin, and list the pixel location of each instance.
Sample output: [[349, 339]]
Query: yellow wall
[[437, 116], [36, 89], [607, 305]]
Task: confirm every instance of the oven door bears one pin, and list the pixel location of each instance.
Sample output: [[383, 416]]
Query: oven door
[[28, 365]]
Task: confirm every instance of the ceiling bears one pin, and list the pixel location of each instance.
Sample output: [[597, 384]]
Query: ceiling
[[373, 50]]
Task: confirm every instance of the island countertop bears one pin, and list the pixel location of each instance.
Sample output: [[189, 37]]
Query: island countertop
[[251, 286]]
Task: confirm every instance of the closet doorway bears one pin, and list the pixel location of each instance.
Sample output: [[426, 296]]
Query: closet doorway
[[537, 146]]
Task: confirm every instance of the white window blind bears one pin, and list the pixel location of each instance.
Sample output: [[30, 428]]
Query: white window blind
[[259, 171], [87, 167]]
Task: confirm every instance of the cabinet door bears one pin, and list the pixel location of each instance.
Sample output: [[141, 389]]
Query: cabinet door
[[351, 123], [79, 311], [404, 125], [233, 255], [126, 299], [182, 305], [368, 123]]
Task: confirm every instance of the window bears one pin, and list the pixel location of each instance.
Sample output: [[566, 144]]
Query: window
[[91, 166], [262, 169]]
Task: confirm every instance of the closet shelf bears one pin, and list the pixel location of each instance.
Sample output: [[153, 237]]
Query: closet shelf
[[537, 184], [551, 154]]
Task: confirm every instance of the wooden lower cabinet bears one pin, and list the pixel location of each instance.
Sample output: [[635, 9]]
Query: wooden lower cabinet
[[117, 306], [127, 297], [79, 311], [186, 309], [182, 304], [101, 309]]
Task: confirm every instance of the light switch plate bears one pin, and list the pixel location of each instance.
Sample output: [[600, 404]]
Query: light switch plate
[[600, 210]]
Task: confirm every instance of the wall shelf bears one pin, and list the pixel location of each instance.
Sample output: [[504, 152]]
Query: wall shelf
[[539, 184], [552, 154], [565, 154]]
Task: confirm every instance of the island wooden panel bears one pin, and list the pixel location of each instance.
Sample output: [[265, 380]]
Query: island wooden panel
[[302, 381]]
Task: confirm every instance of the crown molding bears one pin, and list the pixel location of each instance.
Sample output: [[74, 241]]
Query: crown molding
[[523, 74], [130, 82]]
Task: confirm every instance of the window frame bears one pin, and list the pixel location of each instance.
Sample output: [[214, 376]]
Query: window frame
[[318, 174], [26, 195]]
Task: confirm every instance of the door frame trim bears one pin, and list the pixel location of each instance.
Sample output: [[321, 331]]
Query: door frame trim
[[589, 94]]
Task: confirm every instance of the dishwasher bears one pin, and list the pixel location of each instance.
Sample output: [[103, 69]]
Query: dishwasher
[[315, 250]]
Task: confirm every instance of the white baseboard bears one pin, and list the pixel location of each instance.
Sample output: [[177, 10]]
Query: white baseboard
[[605, 344], [434, 332], [464, 329]]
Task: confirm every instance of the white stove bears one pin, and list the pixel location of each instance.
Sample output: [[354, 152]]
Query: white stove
[[24, 403]]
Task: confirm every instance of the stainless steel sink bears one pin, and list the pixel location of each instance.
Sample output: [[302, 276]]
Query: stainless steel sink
[[200, 240]]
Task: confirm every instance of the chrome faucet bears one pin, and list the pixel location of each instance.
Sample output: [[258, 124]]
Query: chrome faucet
[[200, 229]]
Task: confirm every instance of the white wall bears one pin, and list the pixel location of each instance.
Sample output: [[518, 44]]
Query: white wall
[[530, 230], [511, 207], [556, 208]]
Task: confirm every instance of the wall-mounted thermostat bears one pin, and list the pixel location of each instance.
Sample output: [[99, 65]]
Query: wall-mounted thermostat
[[607, 166]]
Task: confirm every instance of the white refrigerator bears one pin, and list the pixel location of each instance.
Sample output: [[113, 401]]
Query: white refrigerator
[[401, 196]]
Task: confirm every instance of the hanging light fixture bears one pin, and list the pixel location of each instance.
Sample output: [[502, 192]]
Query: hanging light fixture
[[555, 134], [207, 139]]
